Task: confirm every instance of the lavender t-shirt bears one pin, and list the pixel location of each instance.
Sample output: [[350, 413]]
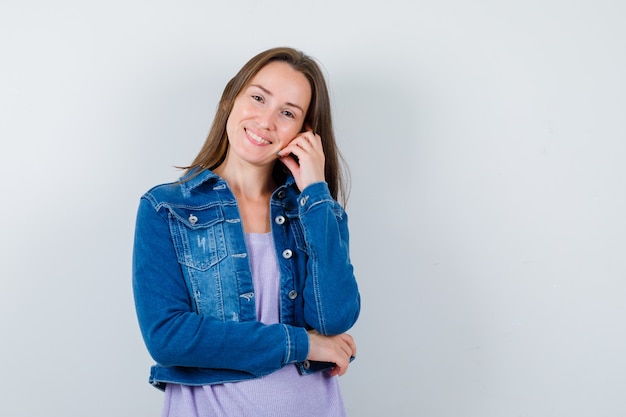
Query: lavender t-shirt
[[284, 393]]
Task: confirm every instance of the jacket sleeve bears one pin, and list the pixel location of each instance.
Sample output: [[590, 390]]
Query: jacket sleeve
[[175, 335], [332, 301]]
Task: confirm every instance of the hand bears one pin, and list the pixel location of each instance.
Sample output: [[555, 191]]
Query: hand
[[336, 349], [309, 168]]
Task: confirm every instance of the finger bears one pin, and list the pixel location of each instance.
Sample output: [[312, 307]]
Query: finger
[[339, 370], [344, 355], [312, 137], [346, 351], [352, 344], [348, 344], [309, 145], [298, 147], [315, 141], [298, 144], [304, 142], [290, 163]]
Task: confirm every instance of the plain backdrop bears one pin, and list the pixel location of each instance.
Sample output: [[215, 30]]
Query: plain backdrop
[[486, 142]]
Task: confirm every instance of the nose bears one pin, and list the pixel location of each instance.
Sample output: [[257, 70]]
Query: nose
[[267, 118]]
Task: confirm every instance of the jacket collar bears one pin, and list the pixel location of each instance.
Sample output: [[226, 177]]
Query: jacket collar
[[198, 176]]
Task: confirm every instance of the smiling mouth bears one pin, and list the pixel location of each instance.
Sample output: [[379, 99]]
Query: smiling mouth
[[257, 139]]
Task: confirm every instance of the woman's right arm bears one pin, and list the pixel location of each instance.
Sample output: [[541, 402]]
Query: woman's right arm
[[175, 335]]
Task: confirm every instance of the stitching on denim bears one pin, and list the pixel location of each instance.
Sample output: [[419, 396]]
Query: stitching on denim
[[316, 292], [288, 353]]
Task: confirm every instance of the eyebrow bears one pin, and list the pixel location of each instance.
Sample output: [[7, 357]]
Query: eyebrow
[[269, 93]]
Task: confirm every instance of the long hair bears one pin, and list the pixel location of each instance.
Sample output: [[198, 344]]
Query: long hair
[[318, 117]]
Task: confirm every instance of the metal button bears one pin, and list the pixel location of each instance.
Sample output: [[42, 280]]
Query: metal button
[[281, 194], [287, 253], [306, 364], [293, 294], [193, 219], [303, 200], [279, 219]]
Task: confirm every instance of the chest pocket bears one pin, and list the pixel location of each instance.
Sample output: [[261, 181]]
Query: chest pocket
[[198, 235]]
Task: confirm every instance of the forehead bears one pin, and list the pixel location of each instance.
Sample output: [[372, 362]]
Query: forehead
[[283, 81]]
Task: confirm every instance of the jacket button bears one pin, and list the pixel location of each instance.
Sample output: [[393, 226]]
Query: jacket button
[[287, 253], [193, 219], [279, 219], [303, 200], [306, 364], [293, 294], [281, 194]]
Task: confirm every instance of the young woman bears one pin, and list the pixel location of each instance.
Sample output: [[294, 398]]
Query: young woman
[[242, 277]]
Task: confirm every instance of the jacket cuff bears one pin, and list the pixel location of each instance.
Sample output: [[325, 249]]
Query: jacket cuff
[[315, 193], [297, 348]]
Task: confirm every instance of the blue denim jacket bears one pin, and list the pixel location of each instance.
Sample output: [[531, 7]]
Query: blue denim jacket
[[193, 286]]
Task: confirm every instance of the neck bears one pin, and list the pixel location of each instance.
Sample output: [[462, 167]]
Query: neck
[[247, 181], [252, 187]]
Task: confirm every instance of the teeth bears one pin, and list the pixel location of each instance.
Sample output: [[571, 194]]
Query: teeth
[[258, 138]]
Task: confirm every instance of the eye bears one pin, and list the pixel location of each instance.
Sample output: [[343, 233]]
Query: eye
[[289, 114], [257, 97]]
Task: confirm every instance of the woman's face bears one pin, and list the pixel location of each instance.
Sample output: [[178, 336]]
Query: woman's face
[[267, 114]]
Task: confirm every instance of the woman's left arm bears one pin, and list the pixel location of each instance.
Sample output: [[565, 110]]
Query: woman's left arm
[[331, 297]]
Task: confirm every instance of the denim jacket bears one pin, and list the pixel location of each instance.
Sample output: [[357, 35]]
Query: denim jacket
[[193, 288]]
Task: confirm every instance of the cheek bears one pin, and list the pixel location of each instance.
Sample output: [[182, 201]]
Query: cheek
[[237, 114], [240, 109], [290, 132], [294, 128]]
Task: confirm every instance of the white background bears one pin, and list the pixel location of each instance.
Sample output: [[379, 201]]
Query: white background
[[486, 141]]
